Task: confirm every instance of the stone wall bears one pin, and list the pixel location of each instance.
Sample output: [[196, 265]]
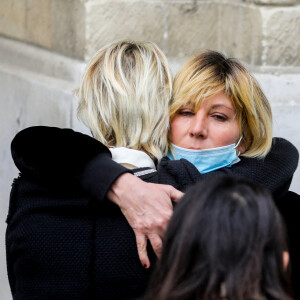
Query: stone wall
[[52, 24], [259, 32], [45, 44]]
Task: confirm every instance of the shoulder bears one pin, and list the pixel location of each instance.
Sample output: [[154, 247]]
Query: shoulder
[[51, 150], [285, 147], [178, 173], [284, 153], [55, 137]]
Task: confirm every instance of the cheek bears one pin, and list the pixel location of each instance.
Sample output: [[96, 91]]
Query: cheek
[[176, 129], [173, 130], [225, 134]]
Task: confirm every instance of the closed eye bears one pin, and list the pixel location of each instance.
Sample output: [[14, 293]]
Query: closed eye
[[186, 113], [220, 118]]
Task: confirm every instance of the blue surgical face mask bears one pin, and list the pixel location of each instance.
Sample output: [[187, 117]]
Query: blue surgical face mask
[[207, 160]]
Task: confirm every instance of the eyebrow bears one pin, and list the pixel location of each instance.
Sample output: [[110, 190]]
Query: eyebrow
[[219, 105], [190, 103]]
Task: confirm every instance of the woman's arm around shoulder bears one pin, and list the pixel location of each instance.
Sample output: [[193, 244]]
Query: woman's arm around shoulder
[[55, 153], [51, 151], [275, 171]]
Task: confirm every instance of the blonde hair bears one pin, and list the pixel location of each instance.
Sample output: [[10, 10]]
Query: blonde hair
[[124, 97], [210, 73]]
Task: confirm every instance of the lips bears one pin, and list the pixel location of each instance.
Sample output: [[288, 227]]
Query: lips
[[193, 148]]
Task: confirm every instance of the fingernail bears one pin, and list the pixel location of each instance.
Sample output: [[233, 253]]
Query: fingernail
[[145, 266]]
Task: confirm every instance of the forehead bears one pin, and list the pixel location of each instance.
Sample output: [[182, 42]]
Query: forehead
[[218, 100]]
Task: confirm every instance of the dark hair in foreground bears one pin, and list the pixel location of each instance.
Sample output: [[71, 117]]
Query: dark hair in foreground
[[224, 241]]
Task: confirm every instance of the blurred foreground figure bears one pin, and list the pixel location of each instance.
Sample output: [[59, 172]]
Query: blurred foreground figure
[[224, 241]]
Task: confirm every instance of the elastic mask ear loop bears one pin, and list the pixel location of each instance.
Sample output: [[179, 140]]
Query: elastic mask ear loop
[[172, 150], [237, 144]]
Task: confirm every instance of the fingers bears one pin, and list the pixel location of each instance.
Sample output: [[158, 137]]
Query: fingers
[[156, 243], [148, 208], [141, 242], [174, 194], [161, 223]]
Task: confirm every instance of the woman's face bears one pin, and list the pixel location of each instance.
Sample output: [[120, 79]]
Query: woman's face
[[213, 125]]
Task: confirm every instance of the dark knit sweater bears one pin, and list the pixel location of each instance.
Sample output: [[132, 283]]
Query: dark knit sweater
[[64, 244]]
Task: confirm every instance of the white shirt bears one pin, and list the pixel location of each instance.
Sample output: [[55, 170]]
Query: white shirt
[[131, 158]]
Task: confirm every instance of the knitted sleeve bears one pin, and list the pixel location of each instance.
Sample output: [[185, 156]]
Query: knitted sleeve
[[57, 153], [275, 171]]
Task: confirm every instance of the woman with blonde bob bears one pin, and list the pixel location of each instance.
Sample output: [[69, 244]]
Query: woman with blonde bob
[[220, 123], [210, 74]]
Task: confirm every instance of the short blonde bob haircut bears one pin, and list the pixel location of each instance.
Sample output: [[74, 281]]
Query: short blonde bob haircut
[[210, 73], [124, 97]]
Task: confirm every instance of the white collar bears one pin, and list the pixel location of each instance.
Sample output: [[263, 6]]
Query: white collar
[[131, 158]]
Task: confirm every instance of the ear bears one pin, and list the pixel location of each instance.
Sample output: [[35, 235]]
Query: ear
[[285, 259], [241, 147]]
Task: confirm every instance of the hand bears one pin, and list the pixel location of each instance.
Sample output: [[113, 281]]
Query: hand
[[147, 208]]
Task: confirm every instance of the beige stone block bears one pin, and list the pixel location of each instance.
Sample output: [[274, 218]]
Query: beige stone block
[[191, 27], [230, 1], [240, 32], [68, 27], [281, 36], [107, 21], [39, 21], [13, 18], [273, 2]]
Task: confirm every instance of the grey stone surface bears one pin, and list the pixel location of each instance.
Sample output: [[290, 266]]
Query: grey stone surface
[[281, 40], [39, 23], [27, 20], [107, 21], [273, 2], [52, 24], [40, 60], [282, 89], [13, 18], [68, 27], [191, 27], [260, 32], [240, 32]]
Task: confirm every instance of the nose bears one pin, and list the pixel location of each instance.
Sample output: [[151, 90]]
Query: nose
[[198, 126]]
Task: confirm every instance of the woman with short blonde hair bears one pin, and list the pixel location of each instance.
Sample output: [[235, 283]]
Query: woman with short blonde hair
[[210, 73], [124, 97], [124, 100]]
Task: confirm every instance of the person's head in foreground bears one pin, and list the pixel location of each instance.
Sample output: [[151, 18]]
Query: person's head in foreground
[[216, 102], [124, 97], [224, 241]]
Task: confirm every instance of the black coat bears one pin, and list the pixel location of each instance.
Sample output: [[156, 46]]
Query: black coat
[[65, 241], [62, 244]]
